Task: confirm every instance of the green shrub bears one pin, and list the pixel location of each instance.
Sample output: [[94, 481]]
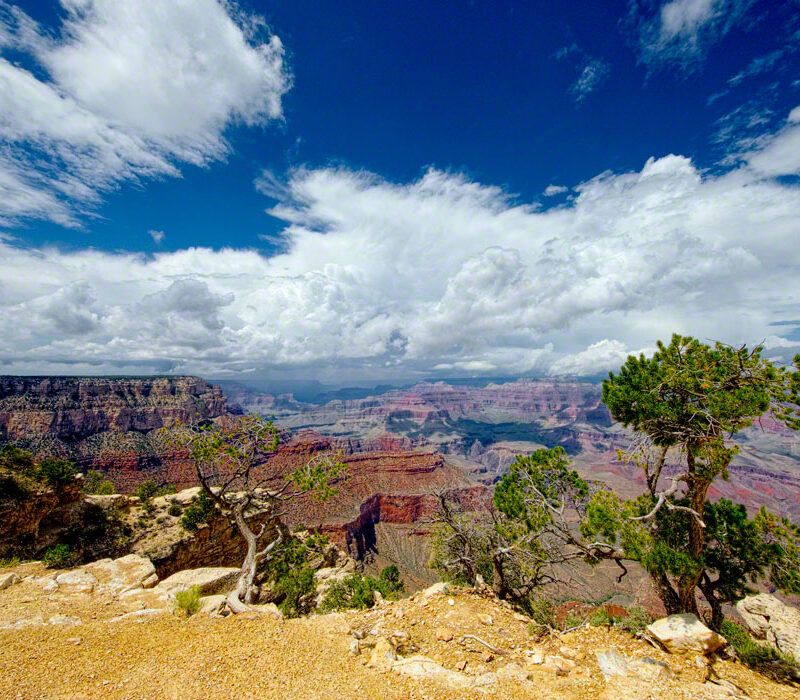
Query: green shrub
[[175, 509], [95, 483], [10, 561], [572, 620], [146, 490], [389, 584], [638, 618], [197, 513], [59, 556], [353, 591], [188, 600], [296, 588], [760, 657], [601, 618], [56, 472], [357, 590], [542, 613]]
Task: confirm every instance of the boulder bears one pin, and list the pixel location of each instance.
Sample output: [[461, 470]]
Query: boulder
[[558, 665], [211, 579], [61, 619], [383, 654], [612, 664], [269, 609], [111, 501], [770, 619], [7, 580], [213, 605], [436, 589], [123, 574], [76, 581], [512, 672], [685, 634]]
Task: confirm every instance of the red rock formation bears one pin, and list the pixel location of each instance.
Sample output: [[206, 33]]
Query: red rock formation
[[106, 423]]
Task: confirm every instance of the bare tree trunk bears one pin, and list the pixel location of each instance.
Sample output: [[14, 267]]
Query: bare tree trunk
[[244, 587], [498, 577], [667, 593], [687, 585]]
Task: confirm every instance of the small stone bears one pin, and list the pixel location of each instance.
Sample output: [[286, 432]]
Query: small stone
[[535, 659], [567, 652], [558, 665], [355, 649], [451, 602], [7, 580], [485, 619], [444, 634], [383, 654], [358, 633], [488, 657]]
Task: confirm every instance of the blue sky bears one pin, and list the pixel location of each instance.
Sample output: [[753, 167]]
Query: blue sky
[[370, 190]]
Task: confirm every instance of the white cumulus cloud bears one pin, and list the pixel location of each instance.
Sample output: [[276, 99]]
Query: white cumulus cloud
[[125, 91], [440, 274]]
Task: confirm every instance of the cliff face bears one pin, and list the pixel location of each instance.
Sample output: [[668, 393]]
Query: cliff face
[[483, 428], [75, 408], [105, 423]]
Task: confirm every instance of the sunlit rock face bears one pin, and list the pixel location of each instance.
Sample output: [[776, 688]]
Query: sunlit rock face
[[481, 429], [106, 423]]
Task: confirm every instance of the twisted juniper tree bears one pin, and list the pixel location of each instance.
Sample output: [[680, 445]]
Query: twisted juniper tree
[[686, 404], [234, 470], [527, 535]]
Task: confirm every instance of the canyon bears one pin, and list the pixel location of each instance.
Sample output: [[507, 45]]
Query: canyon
[[398, 446], [480, 428]]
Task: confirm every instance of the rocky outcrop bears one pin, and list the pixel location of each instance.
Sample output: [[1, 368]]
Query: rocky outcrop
[[35, 520], [770, 619], [78, 407], [106, 423]]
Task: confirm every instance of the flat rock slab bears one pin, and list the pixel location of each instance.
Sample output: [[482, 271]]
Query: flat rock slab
[[125, 573], [211, 579]]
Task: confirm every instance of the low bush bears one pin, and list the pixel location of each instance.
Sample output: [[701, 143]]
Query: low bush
[[188, 600], [95, 483], [56, 472], [760, 657], [175, 509], [357, 591], [601, 618], [197, 513], [638, 618], [58, 556], [10, 561], [542, 612], [296, 589]]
